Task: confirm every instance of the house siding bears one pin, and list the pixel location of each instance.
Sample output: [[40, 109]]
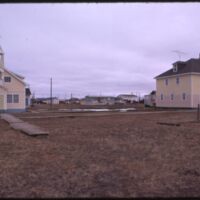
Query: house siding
[[11, 84], [15, 87], [177, 90], [195, 81], [3, 104]]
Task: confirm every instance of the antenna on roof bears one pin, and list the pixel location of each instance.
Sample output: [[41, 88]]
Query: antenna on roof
[[179, 53]]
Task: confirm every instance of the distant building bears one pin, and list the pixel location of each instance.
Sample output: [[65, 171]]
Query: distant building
[[98, 100], [74, 100], [47, 100], [12, 89], [150, 99], [129, 98], [62, 101], [180, 85], [119, 100]]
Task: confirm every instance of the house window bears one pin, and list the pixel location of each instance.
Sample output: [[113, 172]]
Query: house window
[[161, 96], [16, 98], [166, 81], [12, 98], [172, 97], [184, 96], [175, 68], [177, 80], [7, 79], [9, 98]]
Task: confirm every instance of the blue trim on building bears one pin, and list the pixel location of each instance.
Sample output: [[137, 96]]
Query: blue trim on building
[[14, 110]]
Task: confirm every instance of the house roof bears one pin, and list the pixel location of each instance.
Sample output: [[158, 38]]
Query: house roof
[[18, 77], [153, 92], [192, 65]]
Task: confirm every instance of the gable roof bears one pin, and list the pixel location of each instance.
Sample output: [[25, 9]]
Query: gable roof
[[18, 77], [192, 65]]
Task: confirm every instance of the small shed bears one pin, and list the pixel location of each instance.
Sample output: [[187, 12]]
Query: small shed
[[150, 99], [28, 97]]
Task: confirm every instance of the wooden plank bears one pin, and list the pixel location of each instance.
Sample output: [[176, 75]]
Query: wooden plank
[[25, 127], [29, 129], [10, 118]]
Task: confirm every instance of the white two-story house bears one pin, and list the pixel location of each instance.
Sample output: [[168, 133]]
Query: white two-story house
[[12, 89], [180, 85]]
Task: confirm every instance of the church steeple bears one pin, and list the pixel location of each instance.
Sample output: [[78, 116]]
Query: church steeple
[[1, 58]]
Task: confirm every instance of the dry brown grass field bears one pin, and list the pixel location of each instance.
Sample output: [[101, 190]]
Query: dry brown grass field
[[102, 155]]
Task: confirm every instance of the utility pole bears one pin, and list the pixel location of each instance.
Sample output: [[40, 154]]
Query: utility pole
[[51, 93], [138, 97]]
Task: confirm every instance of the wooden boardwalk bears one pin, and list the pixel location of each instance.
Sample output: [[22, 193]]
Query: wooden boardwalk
[[10, 118], [25, 127]]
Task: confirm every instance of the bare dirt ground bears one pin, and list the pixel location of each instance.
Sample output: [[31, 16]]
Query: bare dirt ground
[[119, 155]]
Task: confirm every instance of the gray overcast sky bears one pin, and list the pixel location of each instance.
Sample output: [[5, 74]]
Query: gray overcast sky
[[97, 48]]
